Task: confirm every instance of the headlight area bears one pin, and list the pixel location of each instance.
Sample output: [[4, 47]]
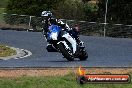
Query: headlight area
[[54, 35]]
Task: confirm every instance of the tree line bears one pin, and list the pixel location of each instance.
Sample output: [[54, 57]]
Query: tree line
[[119, 11]]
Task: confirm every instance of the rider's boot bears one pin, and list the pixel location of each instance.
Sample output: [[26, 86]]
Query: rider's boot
[[50, 48]]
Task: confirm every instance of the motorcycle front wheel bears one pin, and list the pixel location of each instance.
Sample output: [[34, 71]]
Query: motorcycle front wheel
[[65, 53]]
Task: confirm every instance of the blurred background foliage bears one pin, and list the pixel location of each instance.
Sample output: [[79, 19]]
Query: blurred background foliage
[[92, 12], [119, 11]]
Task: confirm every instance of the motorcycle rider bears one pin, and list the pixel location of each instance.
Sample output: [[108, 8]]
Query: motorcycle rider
[[48, 19]]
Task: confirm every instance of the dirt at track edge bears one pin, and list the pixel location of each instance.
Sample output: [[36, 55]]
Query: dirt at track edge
[[60, 71]]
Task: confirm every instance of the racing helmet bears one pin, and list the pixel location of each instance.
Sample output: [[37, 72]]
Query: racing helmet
[[46, 14]]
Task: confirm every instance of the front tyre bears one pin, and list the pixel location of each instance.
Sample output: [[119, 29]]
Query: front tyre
[[65, 53], [83, 55]]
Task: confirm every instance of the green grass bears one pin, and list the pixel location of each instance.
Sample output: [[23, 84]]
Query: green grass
[[6, 51], [2, 10], [3, 3], [1, 15], [68, 81]]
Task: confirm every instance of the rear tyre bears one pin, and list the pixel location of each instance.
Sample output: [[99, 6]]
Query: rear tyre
[[83, 55], [64, 52]]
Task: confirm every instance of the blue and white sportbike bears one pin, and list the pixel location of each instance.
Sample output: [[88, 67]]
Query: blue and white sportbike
[[60, 40]]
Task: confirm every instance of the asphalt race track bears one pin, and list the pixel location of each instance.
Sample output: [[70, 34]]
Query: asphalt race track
[[103, 52]]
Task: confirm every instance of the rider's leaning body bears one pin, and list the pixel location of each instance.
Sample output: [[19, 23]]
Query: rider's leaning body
[[49, 20]]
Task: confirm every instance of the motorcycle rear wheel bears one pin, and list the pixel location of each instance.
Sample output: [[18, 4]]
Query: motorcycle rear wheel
[[83, 55]]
